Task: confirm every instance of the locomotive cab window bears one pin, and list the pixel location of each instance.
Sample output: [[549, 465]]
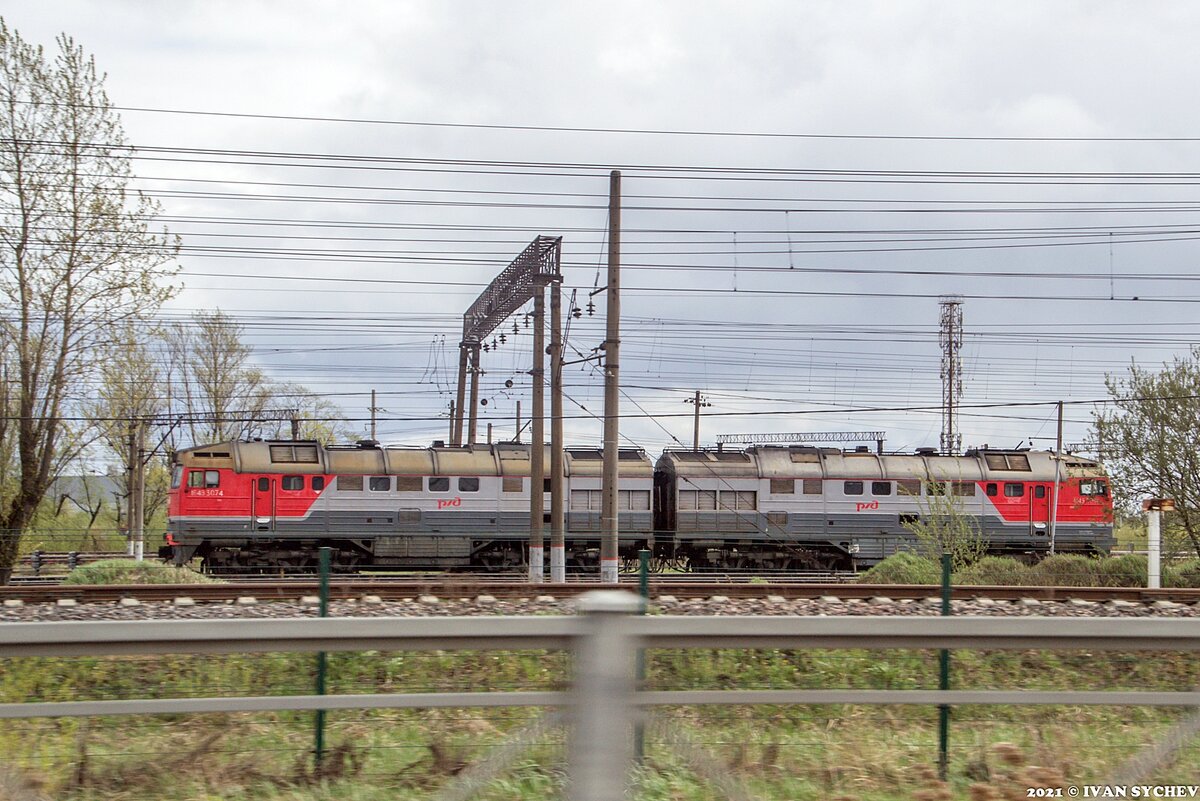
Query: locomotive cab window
[[881, 488], [439, 484], [852, 488], [381, 484], [1098, 488], [318, 483], [196, 478], [468, 485], [1014, 490], [992, 490], [1039, 491], [177, 476], [292, 483]]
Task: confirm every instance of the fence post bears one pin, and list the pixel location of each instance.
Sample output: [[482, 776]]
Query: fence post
[[319, 725], [602, 695], [639, 728], [35, 561], [944, 680]]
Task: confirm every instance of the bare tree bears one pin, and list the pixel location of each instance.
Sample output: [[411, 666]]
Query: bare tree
[[77, 256], [1148, 434]]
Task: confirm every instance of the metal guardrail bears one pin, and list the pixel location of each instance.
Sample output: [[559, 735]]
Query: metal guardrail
[[603, 701]]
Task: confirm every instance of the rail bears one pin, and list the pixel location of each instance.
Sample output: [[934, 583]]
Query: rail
[[603, 701]]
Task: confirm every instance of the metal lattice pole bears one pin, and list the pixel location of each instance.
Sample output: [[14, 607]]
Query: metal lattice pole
[[951, 339]]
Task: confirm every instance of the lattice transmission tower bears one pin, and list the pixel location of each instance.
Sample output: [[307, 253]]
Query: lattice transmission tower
[[951, 339]]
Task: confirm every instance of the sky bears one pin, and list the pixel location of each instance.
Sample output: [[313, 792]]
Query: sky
[[801, 182]]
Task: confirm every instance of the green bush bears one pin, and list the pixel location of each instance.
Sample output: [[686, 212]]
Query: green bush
[[127, 571], [904, 568], [1129, 570], [1001, 570], [1066, 570], [1182, 574]]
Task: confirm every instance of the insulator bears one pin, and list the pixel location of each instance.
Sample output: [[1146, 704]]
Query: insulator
[[527, 319], [485, 347], [494, 346], [591, 307], [576, 312], [516, 330], [503, 338]]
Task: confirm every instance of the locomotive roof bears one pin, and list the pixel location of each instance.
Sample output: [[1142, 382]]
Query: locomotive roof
[[506, 459], [809, 462]]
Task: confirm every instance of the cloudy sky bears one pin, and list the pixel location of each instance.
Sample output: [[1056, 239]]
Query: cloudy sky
[[1033, 157]]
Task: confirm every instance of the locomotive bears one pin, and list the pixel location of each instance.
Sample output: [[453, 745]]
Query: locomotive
[[269, 505]]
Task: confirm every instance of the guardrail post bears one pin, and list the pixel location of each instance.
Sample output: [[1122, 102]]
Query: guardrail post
[[602, 709], [35, 561], [319, 725], [639, 728], [944, 680]]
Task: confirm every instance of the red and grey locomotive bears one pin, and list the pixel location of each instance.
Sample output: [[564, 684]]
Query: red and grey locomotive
[[269, 505]]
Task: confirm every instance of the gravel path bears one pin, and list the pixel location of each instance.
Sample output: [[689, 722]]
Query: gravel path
[[547, 605]]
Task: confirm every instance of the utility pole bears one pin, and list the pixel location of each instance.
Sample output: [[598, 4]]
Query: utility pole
[[373, 410], [698, 402], [1058, 446], [558, 551], [609, 522], [517, 436], [456, 409], [473, 417], [951, 339], [537, 452]]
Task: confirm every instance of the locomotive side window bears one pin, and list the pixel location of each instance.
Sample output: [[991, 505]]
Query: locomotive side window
[[318, 483], [813, 486], [515, 484], [579, 499], [212, 479], [439, 484], [747, 499], [381, 484], [881, 488], [783, 486], [908, 486], [264, 484], [964, 489], [196, 478], [468, 485], [1039, 491], [992, 489], [1093, 488], [293, 482], [852, 488], [350, 483], [1014, 490], [706, 500], [409, 484]]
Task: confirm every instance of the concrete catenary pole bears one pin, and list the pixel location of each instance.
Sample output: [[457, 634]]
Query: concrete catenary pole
[[1058, 449], [373, 410], [131, 488], [609, 523], [537, 450], [558, 553], [137, 494], [475, 371], [456, 412]]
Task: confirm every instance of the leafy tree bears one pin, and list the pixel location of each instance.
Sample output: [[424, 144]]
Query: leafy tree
[[1148, 435], [77, 256], [943, 526]]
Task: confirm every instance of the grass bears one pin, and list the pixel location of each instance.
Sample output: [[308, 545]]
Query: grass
[[795, 752], [1060, 570], [128, 571]]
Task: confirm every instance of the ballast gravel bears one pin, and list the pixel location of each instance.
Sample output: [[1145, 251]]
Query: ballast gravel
[[373, 606]]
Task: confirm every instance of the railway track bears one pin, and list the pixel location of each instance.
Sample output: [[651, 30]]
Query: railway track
[[392, 588]]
